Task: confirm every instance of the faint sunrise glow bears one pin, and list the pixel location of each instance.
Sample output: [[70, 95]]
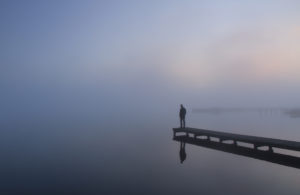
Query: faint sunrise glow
[[123, 53]]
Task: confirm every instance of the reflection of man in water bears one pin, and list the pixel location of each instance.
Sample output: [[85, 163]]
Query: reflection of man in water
[[182, 114], [182, 153]]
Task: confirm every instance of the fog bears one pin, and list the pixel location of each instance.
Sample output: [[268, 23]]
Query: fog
[[88, 60], [89, 92]]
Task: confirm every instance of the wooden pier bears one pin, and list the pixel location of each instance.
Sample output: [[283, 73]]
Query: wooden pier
[[235, 138]]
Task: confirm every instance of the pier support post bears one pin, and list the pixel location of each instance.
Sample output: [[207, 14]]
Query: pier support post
[[255, 147], [234, 143], [270, 149]]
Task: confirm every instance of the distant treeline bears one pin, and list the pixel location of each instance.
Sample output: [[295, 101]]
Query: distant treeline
[[292, 112]]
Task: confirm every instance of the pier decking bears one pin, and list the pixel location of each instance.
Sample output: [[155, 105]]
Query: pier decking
[[256, 141]]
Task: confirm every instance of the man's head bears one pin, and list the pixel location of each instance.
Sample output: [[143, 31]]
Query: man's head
[[181, 105]]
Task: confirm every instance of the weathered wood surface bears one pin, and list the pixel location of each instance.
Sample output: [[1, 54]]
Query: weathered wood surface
[[256, 141]]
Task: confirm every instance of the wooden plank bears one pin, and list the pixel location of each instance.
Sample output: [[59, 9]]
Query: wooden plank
[[258, 141]]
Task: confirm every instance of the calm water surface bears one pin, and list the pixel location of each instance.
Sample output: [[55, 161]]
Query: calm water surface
[[141, 158]]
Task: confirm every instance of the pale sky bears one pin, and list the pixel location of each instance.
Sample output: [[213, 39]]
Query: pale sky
[[80, 56]]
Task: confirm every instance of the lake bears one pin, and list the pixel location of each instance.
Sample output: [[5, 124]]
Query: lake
[[141, 157]]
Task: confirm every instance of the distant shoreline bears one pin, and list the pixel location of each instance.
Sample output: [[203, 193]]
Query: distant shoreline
[[291, 112]]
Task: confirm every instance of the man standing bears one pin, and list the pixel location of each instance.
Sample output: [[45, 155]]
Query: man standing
[[182, 114]]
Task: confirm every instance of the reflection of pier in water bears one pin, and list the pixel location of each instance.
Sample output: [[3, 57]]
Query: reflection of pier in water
[[234, 148]]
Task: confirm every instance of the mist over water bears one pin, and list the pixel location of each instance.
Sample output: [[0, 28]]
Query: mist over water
[[141, 157], [90, 92]]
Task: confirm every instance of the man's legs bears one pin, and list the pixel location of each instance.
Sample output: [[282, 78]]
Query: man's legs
[[183, 122]]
